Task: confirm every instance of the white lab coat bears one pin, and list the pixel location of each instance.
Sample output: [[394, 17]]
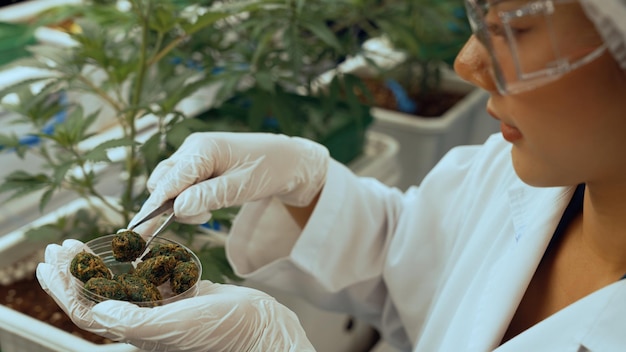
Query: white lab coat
[[441, 267]]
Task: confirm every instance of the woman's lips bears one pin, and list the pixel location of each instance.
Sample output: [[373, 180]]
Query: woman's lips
[[509, 132]]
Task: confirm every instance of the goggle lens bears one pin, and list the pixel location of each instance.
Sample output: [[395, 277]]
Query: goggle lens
[[528, 42]]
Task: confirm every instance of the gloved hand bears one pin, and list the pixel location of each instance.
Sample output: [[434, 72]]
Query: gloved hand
[[213, 170], [219, 318]]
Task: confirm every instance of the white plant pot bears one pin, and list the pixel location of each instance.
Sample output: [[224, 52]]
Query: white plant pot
[[423, 140]]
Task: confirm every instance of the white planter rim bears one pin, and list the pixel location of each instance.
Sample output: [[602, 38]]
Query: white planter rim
[[40, 334], [435, 124]]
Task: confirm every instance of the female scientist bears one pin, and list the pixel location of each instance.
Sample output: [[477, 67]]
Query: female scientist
[[515, 245]]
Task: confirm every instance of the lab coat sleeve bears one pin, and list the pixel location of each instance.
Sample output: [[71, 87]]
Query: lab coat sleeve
[[339, 260], [336, 261]]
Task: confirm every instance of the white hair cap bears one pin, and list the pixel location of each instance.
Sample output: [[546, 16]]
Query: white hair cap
[[609, 16]]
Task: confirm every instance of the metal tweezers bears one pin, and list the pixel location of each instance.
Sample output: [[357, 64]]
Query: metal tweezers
[[167, 207]]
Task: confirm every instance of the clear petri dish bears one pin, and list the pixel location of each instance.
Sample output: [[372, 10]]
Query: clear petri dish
[[101, 247]]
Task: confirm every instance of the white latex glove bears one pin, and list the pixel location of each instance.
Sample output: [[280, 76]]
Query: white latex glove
[[213, 170], [219, 318]]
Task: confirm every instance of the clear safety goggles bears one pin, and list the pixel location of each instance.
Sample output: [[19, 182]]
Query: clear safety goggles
[[529, 43]]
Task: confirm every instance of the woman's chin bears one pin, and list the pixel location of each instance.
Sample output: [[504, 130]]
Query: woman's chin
[[532, 174]]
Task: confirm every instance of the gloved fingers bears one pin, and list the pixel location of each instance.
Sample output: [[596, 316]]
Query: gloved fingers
[[166, 324], [53, 274], [205, 287], [166, 165], [179, 174], [221, 318], [195, 197], [47, 276], [221, 321], [161, 169], [62, 254], [120, 318], [154, 201], [147, 228], [56, 283], [194, 204], [215, 302]]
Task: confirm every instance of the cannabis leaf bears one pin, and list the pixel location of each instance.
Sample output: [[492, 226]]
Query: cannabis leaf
[[99, 153]]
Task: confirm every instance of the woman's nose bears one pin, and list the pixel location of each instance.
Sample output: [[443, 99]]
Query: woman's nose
[[474, 65]]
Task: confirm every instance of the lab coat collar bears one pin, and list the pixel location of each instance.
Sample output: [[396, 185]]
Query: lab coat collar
[[535, 214], [607, 331], [594, 323]]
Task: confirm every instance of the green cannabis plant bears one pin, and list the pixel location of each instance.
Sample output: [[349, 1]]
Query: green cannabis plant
[[124, 60], [132, 68], [428, 34]]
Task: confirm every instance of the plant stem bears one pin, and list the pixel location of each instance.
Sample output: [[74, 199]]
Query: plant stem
[[88, 185], [157, 46], [127, 197], [104, 216], [174, 43], [101, 93]]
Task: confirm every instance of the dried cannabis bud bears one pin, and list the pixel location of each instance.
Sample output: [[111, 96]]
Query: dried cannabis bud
[[85, 266], [180, 253], [138, 289], [104, 287], [184, 276], [157, 270], [127, 246], [140, 284]]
